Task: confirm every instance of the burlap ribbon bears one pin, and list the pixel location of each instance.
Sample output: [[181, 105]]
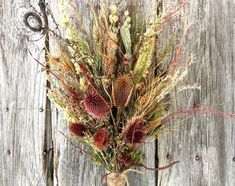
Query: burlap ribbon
[[117, 179], [120, 178]]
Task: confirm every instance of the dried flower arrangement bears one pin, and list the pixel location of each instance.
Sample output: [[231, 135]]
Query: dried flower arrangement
[[111, 83]]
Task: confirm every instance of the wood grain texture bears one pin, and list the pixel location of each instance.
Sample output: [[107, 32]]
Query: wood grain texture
[[204, 144], [22, 94]]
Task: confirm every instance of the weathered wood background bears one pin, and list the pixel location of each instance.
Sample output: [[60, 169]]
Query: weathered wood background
[[33, 152]]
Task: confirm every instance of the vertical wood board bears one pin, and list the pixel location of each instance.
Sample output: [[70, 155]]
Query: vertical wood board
[[204, 143]]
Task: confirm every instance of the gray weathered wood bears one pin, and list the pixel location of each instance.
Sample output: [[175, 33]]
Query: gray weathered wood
[[204, 144], [22, 93]]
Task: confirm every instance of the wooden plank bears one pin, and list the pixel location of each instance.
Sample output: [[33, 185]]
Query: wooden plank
[[204, 144], [22, 95], [72, 168]]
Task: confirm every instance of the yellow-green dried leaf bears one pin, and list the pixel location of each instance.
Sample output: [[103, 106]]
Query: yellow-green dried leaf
[[145, 59], [126, 38]]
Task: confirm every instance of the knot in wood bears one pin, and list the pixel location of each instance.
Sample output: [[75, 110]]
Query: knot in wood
[[33, 21]]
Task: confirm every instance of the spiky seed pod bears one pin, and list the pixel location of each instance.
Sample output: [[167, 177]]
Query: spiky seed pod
[[102, 138], [77, 129], [122, 90], [95, 104], [134, 132], [125, 160]]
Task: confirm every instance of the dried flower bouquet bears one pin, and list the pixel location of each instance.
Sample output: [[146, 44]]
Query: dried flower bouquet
[[112, 81]]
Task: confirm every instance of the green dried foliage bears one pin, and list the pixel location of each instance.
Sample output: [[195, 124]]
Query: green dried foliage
[[144, 59], [126, 36]]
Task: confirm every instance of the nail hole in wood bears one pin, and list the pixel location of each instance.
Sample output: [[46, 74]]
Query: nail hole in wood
[[45, 152], [168, 156], [234, 158], [8, 152], [41, 110], [197, 158], [6, 109]]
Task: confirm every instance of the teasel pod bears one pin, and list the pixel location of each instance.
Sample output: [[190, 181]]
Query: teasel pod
[[134, 132], [77, 129], [95, 104], [122, 90]]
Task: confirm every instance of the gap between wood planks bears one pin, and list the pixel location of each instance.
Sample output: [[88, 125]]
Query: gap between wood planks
[[48, 154]]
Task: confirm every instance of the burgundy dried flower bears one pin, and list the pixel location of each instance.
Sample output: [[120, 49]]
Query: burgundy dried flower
[[102, 138], [77, 129], [134, 133], [95, 104], [125, 160]]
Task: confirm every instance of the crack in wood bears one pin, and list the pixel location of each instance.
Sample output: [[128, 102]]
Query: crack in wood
[[48, 158], [159, 11]]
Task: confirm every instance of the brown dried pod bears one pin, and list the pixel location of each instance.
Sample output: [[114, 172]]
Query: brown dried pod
[[122, 91]]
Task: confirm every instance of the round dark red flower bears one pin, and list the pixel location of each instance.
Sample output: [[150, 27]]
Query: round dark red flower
[[134, 133], [77, 129], [102, 138]]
